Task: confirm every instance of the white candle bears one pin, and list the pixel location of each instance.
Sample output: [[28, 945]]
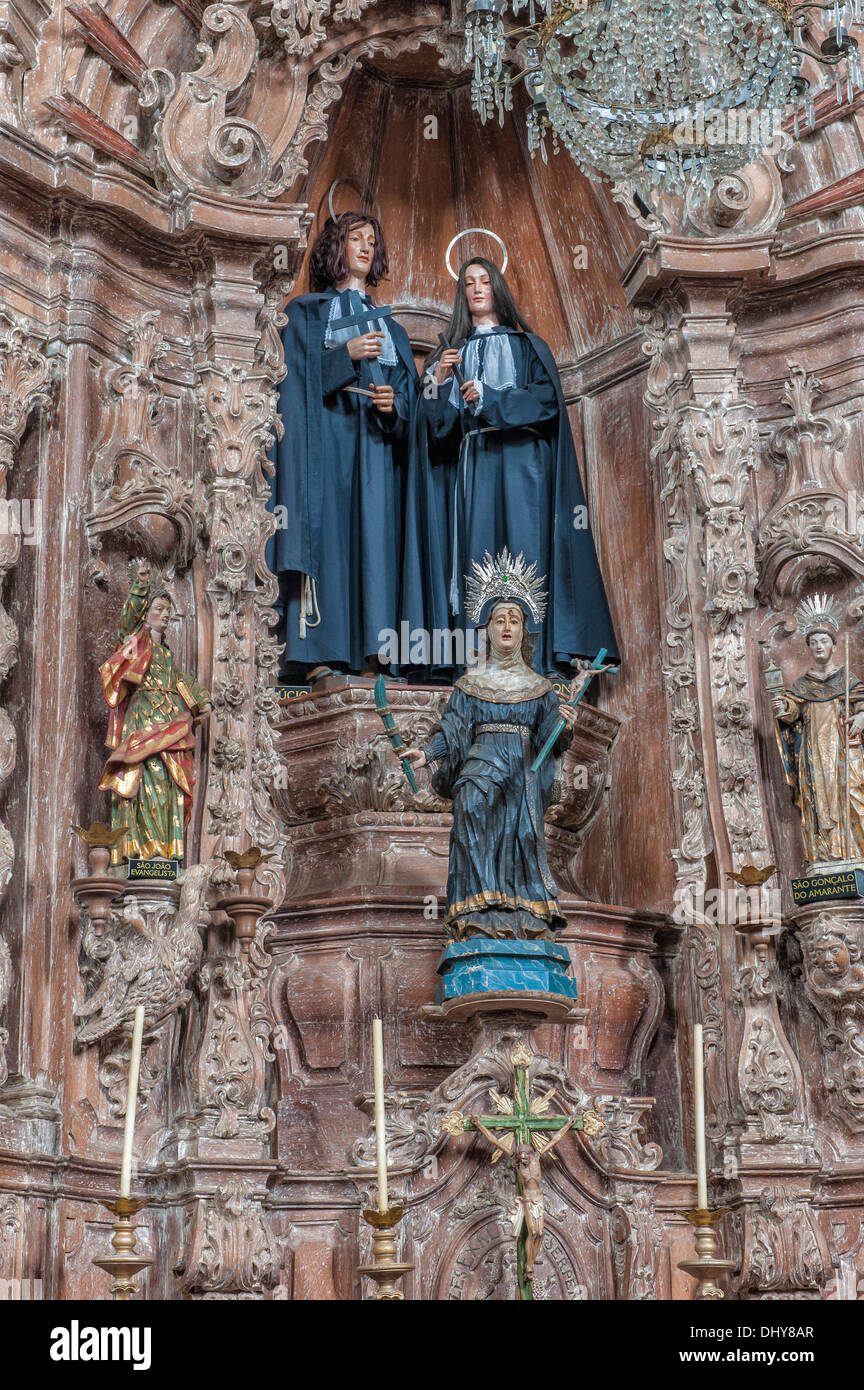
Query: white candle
[[380, 1127], [131, 1102], [699, 1103]]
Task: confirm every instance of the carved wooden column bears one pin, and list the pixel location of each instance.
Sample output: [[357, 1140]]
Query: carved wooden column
[[708, 453], [24, 374]]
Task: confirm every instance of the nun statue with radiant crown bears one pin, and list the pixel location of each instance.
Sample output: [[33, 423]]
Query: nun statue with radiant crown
[[480, 754], [814, 740]]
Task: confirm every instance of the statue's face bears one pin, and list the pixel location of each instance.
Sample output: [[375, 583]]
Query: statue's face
[[821, 645], [505, 627], [159, 615], [834, 958], [359, 250], [478, 291]]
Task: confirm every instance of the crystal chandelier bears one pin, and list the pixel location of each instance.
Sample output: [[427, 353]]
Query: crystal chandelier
[[664, 93]]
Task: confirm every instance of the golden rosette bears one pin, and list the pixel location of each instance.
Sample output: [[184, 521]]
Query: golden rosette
[[520, 1056], [592, 1123], [453, 1124]]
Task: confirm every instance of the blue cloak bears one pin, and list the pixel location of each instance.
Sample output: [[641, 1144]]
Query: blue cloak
[[507, 475], [340, 480], [499, 883]]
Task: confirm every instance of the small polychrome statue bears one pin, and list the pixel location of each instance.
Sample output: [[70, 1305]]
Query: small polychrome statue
[[154, 711], [480, 755], [348, 403], [505, 471], [819, 719]]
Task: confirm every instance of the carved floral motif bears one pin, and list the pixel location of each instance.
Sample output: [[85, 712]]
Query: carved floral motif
[[637, 1240], [238, 422], [300, 23]]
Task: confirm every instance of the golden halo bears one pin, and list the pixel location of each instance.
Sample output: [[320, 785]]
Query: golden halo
[[467, 232]]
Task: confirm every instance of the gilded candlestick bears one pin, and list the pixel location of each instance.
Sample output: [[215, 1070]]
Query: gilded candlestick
[[125, 1265], [386, 1270], [707, 1266]]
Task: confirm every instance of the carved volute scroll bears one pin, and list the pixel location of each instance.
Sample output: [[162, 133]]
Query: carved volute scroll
[[217, 129]]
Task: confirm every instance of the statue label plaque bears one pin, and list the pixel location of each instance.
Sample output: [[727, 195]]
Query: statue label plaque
[[820, 887], [153, 868]]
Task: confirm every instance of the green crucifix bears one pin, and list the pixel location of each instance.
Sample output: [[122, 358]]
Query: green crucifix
[[525, 1131]]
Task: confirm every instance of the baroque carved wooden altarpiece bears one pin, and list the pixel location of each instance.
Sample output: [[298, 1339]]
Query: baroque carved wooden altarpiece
[[162, 167]]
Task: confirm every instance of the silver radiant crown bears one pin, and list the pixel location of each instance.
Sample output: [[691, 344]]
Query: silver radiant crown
[[818, 612], [504, 578]]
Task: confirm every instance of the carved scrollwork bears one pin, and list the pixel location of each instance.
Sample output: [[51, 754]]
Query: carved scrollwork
[[300, 23], [746, 203], [621, 1143], [784, 1251], [230, 1067], [145, 952], [231, 1252], [833, 956], [238, 423], [199, 143], [216, 130], [679, 669], [815, 513], [128, 475]]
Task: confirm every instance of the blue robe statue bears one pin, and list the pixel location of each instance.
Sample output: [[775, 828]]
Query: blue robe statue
[[505, 474], [339, 482], [480, 755]]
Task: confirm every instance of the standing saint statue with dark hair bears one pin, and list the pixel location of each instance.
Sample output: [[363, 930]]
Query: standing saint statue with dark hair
[[154, 709], [506, 468], [347, 403]]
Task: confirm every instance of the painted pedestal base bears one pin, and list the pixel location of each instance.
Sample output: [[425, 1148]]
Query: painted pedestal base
[[482, 974]]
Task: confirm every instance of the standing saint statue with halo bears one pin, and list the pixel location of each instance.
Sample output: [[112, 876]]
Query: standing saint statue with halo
[[819, 719], [504, 472], [480, 756]]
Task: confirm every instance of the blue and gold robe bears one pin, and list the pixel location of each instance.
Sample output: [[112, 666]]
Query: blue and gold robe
[[499, 883]]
